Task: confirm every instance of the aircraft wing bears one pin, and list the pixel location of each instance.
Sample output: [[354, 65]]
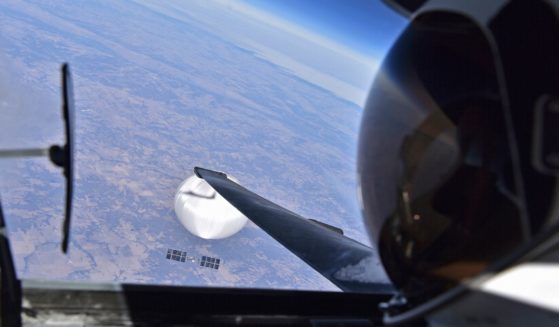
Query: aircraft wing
[[347, 263]]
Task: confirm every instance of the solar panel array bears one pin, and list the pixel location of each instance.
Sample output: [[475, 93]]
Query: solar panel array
[[176, 255], [205, 261], [210, 262]]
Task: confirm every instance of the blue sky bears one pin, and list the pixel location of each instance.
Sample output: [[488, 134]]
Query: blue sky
[[367, 26], [335, 44]]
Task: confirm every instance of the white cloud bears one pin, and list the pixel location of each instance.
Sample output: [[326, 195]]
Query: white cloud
[[367, 270]]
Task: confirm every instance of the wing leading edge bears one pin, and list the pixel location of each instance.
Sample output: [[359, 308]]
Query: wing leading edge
[[347, 263]]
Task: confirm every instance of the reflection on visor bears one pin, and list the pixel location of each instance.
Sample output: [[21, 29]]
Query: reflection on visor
[[447, 212]]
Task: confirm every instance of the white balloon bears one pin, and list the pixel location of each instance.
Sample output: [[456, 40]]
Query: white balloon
[[204, 212]]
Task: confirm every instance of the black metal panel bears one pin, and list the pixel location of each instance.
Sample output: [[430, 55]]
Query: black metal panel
[[173, 304], [145, 305], [324, 250], [10, 286]]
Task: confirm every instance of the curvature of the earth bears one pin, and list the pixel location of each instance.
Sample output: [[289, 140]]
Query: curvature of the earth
[[157, 94]]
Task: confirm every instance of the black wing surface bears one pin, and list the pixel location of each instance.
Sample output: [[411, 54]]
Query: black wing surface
[[347, 263]]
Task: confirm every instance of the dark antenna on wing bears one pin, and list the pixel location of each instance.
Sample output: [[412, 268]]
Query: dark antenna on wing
[[64, 156], [61, 156]]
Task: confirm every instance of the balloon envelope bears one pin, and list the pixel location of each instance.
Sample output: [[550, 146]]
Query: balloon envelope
[[204, 212]]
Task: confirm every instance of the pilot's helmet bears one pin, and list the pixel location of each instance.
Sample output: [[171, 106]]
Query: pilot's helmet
[[459, 144]]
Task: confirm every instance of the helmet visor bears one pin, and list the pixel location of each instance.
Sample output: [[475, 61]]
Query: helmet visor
[[438, 184]]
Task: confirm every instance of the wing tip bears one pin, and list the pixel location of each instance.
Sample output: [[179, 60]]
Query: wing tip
[[200, 172]]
